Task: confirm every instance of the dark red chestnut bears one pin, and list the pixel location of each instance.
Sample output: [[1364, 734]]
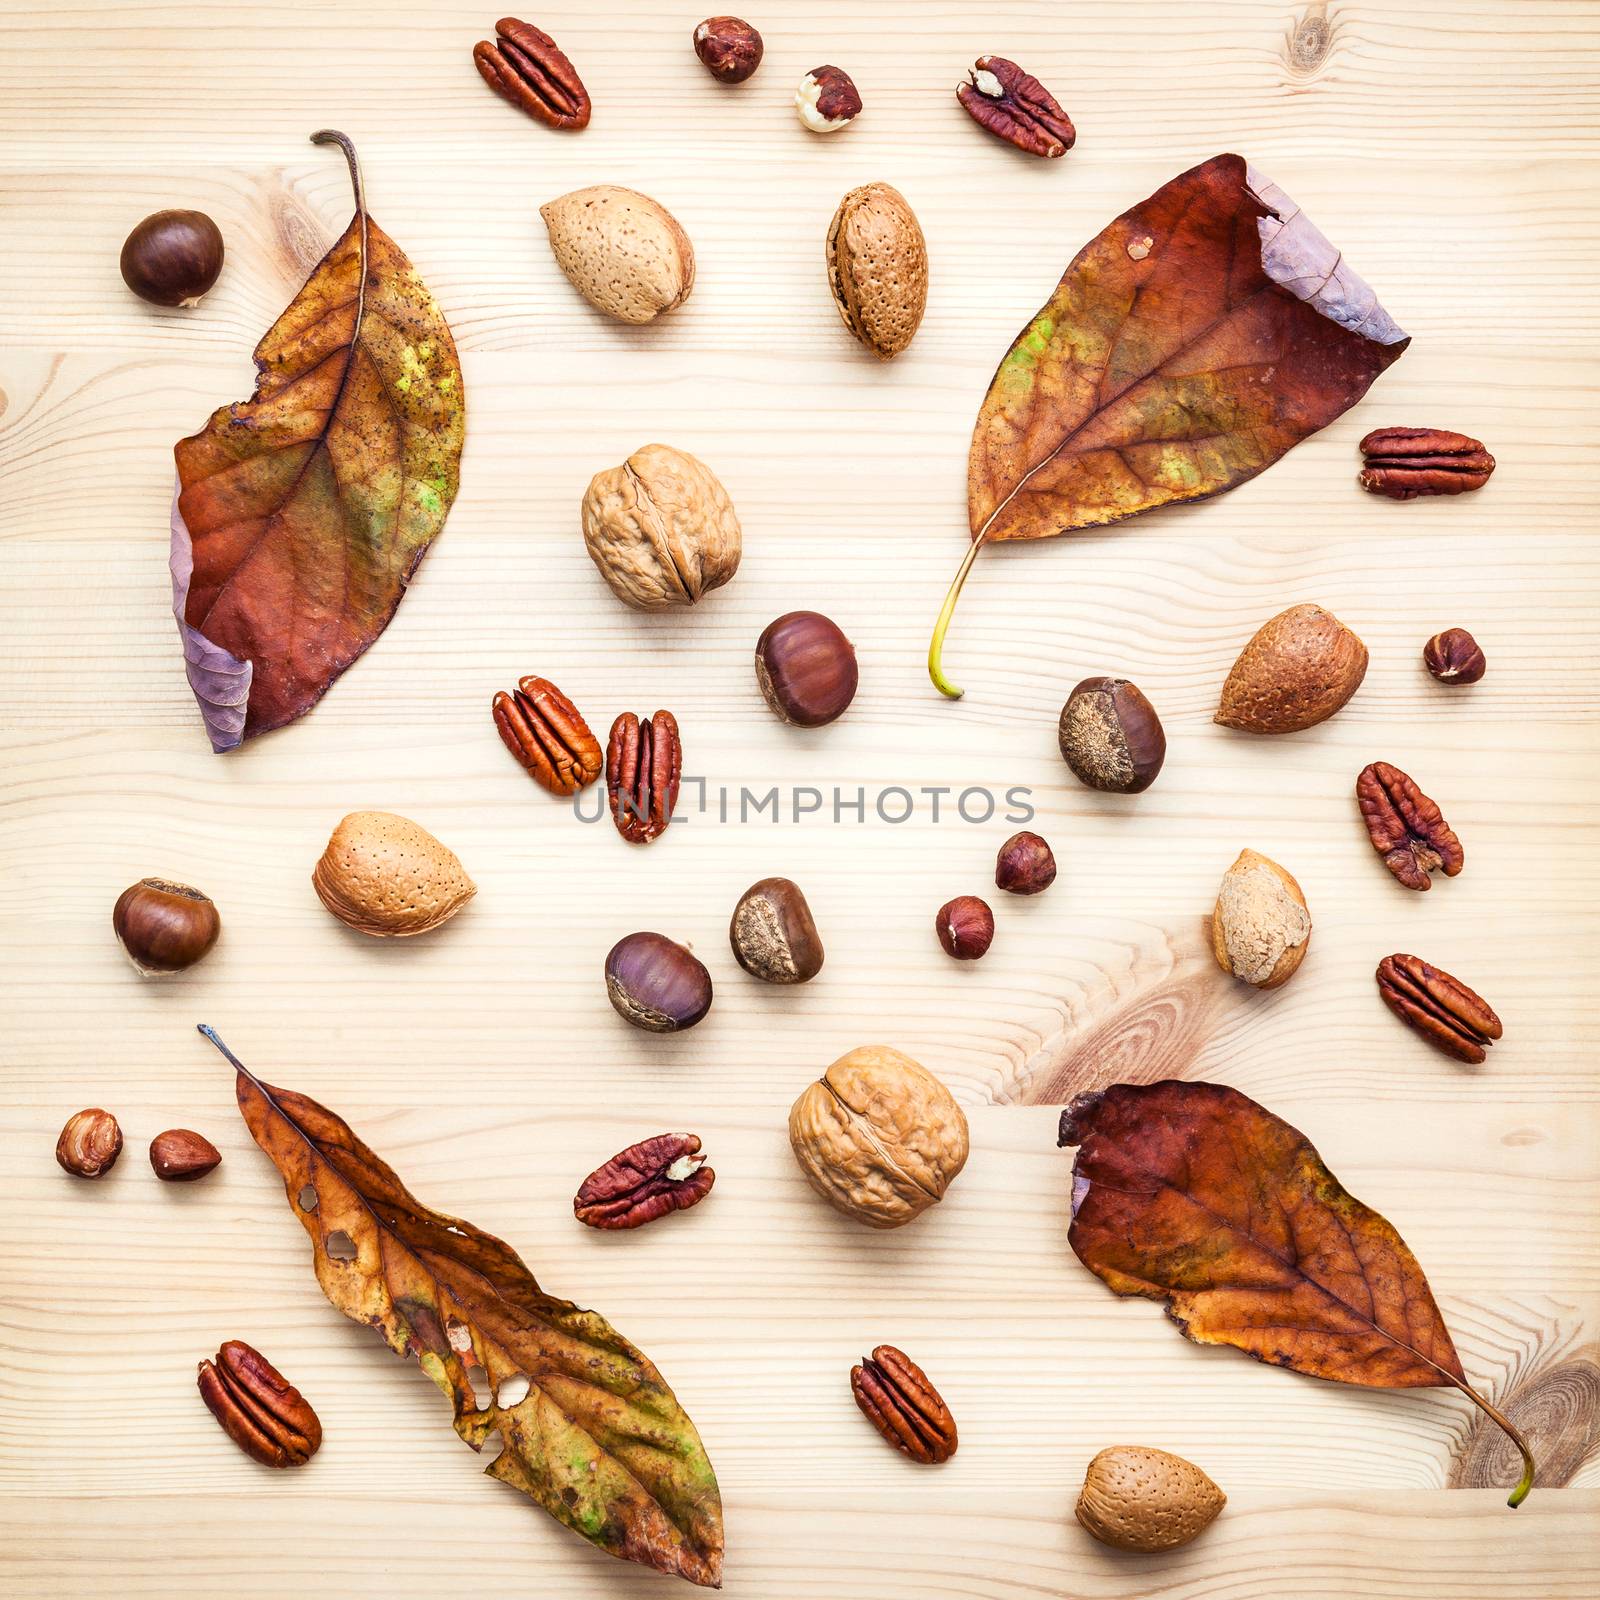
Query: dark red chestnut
[[966, 927], [728, 47], [172, 257], [657, 984], [806, 668], [1111, 736], [1025, 865], [164, 927]]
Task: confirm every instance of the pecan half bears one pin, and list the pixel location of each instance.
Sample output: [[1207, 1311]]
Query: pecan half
[[259, 1409], [1406, 827], [896, 1397], [649, 1179], [1404, 463], [1003, 99], [527, 67], [542, 728], [1449, 1015], [644, 762]]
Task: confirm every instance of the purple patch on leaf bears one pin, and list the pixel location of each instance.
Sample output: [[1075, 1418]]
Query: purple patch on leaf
[[219, 679]]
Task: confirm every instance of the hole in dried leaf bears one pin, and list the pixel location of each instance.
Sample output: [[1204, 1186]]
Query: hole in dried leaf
[[512, 1391], [478, 1378], [459, 1335], [307, 1198], [341, 1247]]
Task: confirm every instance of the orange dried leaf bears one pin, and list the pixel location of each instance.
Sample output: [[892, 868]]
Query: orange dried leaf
[[1193, 1194], [591, 1432]]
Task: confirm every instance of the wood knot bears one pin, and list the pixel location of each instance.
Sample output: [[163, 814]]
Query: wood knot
[[1310, 41], [1559, 1411], [299, 239]]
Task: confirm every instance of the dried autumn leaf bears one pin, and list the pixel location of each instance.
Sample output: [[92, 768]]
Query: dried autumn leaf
[[302, 512], [597, 1439], [1188, 346], [1194, 1194]]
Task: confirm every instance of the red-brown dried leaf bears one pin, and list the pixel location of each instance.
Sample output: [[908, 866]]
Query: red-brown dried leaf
[[302, 513], [1193, 1194], [1188, 346], [597, 1439]]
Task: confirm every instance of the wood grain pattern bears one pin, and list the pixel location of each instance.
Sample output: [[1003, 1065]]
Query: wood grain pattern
[[1450, 148]]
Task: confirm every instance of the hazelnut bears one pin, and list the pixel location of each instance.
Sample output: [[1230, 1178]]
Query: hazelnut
[[89, 1144], [164, 927], [656, 984], [1260, 927], [728, 47], [1025, 865], [773, 935], [172, 257], [180, 1155], [1454, 657], [1111, 736], [806, 669], [879, 1137], [661, 529], [965, 927], [827, 100]]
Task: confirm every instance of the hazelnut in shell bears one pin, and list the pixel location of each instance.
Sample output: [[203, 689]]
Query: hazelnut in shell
[[879, 1137], [827, 100], [1025, 864], [164, 927], [965, 927], [661, 529], [389, 877], [1454, 657], [728, 48]]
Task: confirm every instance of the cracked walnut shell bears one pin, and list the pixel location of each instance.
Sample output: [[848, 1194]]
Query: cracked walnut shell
[[879, 1137], [661, 529]]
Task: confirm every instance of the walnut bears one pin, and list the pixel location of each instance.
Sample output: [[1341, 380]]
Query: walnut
[[879, 1136], [661, 529]]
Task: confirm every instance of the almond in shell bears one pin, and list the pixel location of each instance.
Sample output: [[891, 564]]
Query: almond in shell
[[1298, 669], [878, 268], [387, 876], [1142, 1499], [1261, 926], [621, 250]]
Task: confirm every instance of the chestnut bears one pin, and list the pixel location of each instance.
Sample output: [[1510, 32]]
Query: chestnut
[[728, 47], [1025, 865], [164, 927], [773, 935], [172, 257], [966, 927], [806, 668], [1111, 736], [657, 984]]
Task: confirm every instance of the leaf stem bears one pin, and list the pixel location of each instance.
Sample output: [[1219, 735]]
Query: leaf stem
[[333, 136], [1520, 1493], [233, 1060], [942, 626]]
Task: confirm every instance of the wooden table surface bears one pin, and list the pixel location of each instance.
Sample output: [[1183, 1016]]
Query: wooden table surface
[[1450, 149]]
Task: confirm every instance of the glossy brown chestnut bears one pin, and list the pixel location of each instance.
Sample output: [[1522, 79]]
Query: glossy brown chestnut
[[1025, 865], [965, 927], [728, 47], [656, 983], [164, 927], [1111, 736], [1455, 657], [806, 668], [773, 935], [172, 257]]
